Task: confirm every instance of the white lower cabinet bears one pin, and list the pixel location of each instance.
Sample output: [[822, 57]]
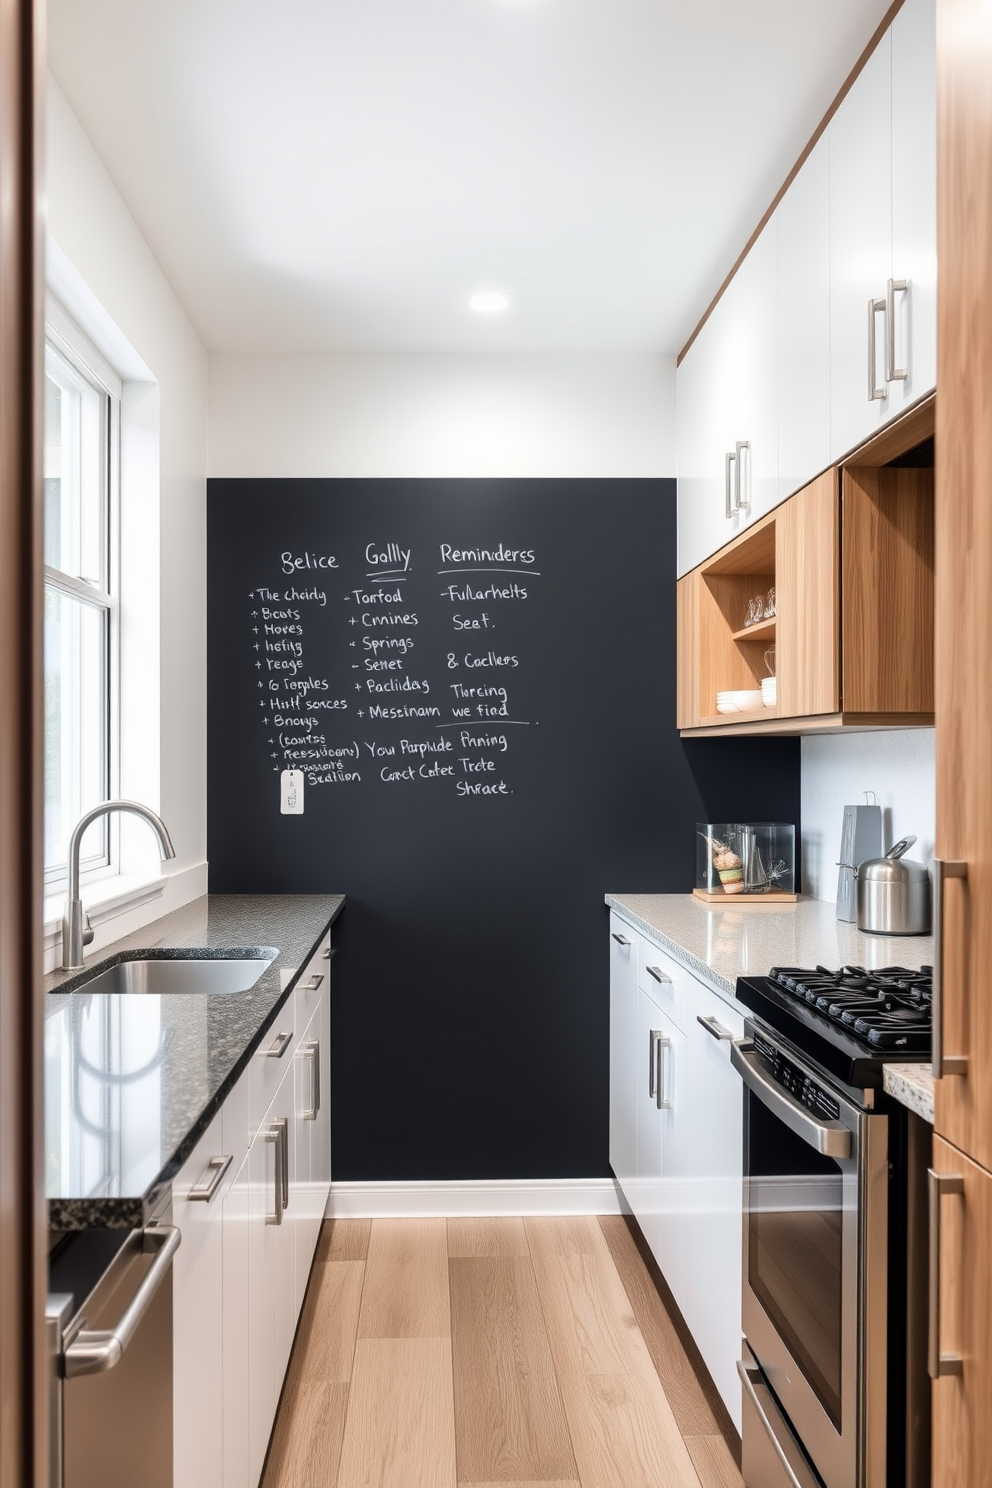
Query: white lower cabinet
[[661, 1142], [686, 1185], [198, 1195], [313, 1141], [714, 1169], [242, 1268], [624, 1065]]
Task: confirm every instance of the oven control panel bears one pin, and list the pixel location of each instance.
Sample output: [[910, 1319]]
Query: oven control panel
[[800, 1085]]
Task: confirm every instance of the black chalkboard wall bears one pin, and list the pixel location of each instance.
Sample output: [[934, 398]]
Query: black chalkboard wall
[[475, 683]]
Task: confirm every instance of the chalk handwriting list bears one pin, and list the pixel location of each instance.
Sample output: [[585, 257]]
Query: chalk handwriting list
[[350, 693]]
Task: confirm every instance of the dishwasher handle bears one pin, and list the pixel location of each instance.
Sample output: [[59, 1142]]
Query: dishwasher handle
[[93, 1351]]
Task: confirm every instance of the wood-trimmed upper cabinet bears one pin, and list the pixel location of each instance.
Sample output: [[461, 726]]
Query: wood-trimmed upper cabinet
[[850, 558]]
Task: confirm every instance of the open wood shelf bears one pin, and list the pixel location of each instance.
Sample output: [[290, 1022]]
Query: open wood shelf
[[763, 631], [851, 558], [825, 723]]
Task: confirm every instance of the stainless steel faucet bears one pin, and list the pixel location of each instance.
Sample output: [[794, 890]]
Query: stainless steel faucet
[[76, 928]]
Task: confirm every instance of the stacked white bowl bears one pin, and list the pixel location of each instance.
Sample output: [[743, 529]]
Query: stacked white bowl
[[769, 691], [740, 700]]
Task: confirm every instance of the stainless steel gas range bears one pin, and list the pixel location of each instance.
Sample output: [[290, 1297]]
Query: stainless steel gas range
[[834, 1371]]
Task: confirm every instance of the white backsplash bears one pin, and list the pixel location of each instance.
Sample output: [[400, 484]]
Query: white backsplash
[[898, 766]]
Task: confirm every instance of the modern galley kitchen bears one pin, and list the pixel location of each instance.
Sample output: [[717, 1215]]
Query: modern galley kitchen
[[494, 799]]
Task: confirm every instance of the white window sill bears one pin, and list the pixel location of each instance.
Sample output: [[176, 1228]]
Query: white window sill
[[103, 900]]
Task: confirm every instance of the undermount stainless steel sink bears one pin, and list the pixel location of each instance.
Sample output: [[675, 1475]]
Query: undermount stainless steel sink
[[163, 974]]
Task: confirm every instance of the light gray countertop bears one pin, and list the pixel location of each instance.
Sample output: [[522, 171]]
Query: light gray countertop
[[719, 945], [131, 1082]]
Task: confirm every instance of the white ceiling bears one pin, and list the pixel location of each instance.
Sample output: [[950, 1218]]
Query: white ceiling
[[346, 173]]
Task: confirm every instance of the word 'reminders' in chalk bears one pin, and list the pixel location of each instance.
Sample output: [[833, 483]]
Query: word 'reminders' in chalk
[[291, 792]]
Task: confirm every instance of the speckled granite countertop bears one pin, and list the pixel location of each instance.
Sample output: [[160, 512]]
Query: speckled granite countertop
[[912, 1085], [132, 1082], [719, 945]]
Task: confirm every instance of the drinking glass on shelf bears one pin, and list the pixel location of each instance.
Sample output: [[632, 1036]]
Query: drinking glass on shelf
[[755, 611], [768, 612], [770, 660]]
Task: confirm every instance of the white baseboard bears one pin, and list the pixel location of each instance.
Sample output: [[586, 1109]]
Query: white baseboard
[[473, 1199]]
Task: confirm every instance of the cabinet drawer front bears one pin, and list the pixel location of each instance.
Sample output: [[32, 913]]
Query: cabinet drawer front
[[269, 1063], [235, 1123], [663, 979], [313, 983]]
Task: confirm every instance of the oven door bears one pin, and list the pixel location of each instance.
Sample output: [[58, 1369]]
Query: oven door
[[802, 1159]]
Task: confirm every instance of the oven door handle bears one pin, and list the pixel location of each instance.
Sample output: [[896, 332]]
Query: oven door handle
[[832, 1138]]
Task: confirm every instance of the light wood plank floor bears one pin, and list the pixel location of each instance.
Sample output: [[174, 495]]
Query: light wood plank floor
[[492, 1353]]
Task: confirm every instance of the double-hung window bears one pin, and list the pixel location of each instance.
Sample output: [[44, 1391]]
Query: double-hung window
[[82, 464]]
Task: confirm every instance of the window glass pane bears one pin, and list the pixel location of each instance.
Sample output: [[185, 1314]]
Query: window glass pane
[[75, 473], [75, 722]]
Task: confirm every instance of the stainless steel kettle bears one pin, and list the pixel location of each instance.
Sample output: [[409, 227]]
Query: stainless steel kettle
[[893, 893]]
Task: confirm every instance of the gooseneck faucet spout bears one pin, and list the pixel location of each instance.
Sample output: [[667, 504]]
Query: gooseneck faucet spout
[[76, 929]]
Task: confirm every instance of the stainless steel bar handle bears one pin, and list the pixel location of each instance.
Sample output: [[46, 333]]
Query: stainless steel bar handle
[[943, 1064], [58, 1315], [742, 477], [661, 1081], [274, 1137], [659, 975], [314, 982], [832, 1138], [729, 484], [282, 1043], [939, 1186], [875, 393], [93, 1351], [311, 1052], [892, 372], [653, 1038], [283, 1125], [620, 939], [213, 1177], [751, 1380], [714, 1028]]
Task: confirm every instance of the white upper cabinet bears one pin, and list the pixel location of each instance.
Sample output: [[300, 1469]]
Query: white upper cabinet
[[756, 431], [708, 385], [728, 410], [804, 324], [860, 152], [914, 201], [828, 329]]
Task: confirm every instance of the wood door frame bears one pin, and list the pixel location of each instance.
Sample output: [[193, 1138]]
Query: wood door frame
[[23, 1385]]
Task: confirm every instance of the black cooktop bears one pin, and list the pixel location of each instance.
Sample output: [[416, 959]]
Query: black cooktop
[[851, 1021]]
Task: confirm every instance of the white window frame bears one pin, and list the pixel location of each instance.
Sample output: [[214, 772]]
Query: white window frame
[[65, 337]]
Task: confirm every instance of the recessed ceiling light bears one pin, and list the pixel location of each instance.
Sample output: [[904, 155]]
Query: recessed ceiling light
[[488, 302]]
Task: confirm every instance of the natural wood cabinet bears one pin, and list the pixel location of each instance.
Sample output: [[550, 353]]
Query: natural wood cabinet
[[851, 559], [963, 1012], [964, 569], [962, 1222]]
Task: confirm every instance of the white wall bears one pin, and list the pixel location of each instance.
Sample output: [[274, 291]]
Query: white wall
[[309, 414], [898, 766], [105, 270]]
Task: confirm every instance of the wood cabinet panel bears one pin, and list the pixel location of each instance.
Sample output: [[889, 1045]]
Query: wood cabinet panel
[[964, 562], [887, 582], [962, 1431], [687, 646], [807, 568]]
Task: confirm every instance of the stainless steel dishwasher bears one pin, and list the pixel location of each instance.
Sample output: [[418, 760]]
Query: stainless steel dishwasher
[[109, 1320]]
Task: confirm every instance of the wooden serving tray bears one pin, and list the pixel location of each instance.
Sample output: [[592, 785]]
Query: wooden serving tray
[[774, 897]]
